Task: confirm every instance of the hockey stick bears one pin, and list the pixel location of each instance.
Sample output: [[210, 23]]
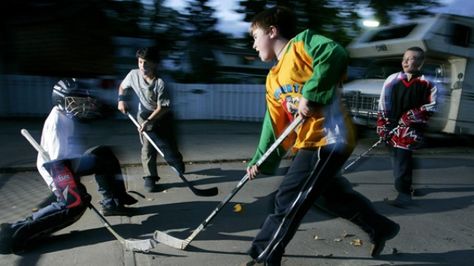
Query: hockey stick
[[361, 155], [133, 245], [143, 245], [367, 151], [174, 242], [200, 192]]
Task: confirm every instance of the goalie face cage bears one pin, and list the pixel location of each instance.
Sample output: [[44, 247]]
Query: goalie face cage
[[82, 108]]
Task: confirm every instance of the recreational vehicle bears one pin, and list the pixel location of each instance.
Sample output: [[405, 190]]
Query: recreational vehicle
[[449, 45]]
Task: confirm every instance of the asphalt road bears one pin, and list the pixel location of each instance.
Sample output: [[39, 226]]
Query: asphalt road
[[436, 230]]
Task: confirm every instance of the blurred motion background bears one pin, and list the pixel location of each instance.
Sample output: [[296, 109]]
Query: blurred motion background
[[207, 55]]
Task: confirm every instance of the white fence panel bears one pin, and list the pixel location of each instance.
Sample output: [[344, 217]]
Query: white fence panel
[[25, 96], [238, 102]]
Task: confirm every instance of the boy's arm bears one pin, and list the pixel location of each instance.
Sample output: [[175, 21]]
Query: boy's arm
[[267, 138], [384, 125], [50, 141], [122, 100], [158, 112], [329, 62], [432, 101], [123, 94]]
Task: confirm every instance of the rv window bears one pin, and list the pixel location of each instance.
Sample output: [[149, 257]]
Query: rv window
[[461, 35], [392, 33]]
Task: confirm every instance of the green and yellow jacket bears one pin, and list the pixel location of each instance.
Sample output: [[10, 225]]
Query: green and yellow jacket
[[312, 66]]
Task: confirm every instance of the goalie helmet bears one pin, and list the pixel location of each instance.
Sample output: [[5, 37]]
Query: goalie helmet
[[75, 100]]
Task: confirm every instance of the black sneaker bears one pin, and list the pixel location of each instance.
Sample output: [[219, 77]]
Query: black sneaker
[[6, 233], [403, 200], [149, 184], [181, 168], [386, 232], [116, 211], [126, 199], [420, 192]]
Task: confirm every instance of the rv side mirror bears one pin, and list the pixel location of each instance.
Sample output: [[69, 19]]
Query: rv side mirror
[[460, 76]]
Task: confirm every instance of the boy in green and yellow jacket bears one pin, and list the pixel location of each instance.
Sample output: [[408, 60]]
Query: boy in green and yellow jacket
[[305, 81]]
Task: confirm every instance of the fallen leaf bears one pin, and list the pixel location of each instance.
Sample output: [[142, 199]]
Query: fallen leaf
[[238, 207], [318, 238], [356, 242]]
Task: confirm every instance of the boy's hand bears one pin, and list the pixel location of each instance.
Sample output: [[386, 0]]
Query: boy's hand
[[305, 108], [122, 107], [143, 126], [252, 171]]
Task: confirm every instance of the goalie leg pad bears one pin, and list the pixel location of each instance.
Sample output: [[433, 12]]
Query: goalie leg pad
[[52, 218], [70, 190]]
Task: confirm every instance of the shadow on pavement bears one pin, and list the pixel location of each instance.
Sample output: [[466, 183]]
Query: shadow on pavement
[[422, 206], [455, 257], [378, 163]]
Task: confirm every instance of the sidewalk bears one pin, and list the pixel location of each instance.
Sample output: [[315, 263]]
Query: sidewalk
[[199, 141]]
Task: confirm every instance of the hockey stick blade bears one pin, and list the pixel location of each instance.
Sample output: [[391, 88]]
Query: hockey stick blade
[[199, 192], [207, 192], [174, 242], [139, 245], [143, 245], [133, 245], [168, 240]]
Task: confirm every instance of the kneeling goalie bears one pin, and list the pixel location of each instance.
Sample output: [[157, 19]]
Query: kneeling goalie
[[61, 141]]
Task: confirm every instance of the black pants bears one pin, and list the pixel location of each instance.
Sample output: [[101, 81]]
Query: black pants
[[402, 161], [312, 177], [341, 200], [307, 178]]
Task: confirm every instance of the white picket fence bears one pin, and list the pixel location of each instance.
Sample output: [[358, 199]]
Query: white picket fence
[[30, 96]]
